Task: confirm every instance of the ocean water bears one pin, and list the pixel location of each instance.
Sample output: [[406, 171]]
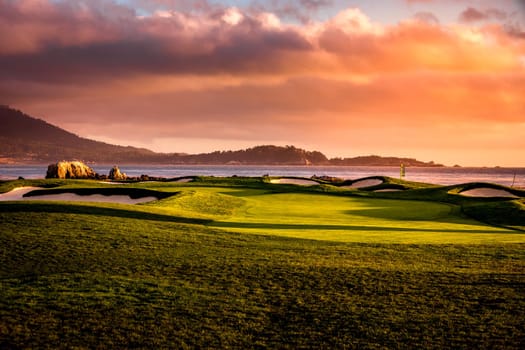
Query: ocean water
[[442, 175]]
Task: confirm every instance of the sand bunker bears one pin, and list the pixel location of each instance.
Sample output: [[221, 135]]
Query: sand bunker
[[183, 180], [365, 183], [389, 190], [289, 181], [487, 192], [18, 194]]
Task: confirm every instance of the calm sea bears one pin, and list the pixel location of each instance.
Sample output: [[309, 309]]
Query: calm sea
[[444, 176]]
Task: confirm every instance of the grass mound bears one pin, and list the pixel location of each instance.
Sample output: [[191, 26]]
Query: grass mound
[[201, 203]]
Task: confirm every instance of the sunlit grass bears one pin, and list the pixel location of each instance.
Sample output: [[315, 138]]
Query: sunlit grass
[[334, 218]]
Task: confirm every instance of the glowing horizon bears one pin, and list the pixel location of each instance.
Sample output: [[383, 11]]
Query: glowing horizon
[[431, 80]]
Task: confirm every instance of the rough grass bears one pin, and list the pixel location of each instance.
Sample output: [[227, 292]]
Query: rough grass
[[509, 214], [76, 275]]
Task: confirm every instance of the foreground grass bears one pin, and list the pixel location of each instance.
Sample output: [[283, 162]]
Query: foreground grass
[[76, 275]]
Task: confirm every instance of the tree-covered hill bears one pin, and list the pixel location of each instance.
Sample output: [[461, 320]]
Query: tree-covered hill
[[25, 139]]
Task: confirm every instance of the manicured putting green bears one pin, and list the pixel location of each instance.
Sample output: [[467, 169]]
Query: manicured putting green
[[334, 218]]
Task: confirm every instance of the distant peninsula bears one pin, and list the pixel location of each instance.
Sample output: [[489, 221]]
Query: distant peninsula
[[25, 139]]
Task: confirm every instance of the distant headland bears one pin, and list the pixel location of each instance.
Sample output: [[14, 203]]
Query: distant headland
[[26, 139]]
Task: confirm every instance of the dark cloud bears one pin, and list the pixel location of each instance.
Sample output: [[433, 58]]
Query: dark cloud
[[474, 15], [105, 61], [515, 30], [427, 17], [60, 48], [176, 5], [301, 10], [419, 1], [315, 4]]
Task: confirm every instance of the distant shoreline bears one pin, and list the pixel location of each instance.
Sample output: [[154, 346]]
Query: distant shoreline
[[439, 175], [46, 163]]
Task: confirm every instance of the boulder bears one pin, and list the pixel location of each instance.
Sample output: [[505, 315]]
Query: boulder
[[70, 170], [115, 174]]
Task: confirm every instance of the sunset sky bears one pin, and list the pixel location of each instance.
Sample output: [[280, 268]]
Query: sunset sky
[[433, 80]]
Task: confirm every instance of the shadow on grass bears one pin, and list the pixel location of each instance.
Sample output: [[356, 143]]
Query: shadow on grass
[[15, 207], [133, 193], [395, 212], [260, 225], [508, 214]]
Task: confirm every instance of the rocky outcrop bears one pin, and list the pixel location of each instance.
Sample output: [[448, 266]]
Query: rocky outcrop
[[70, 170], [115, 174]]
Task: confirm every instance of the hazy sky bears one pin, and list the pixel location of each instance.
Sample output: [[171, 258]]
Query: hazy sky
[[434, 80]]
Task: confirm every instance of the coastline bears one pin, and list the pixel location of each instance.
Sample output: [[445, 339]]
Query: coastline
[[437, 175]]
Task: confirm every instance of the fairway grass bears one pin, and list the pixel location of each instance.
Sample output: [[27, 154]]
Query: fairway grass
[[254, 266]]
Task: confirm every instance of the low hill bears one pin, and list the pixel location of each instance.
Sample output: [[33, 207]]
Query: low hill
[[25, 139], [269, 155], [381, 161]]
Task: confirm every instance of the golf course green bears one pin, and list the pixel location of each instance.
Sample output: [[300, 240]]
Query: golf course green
[[259, 263]]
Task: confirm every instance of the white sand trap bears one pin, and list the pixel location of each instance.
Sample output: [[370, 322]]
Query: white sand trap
[[365, 183], [18, 195], [389, 190], [288, 181], [184, 180], [487, 192]]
